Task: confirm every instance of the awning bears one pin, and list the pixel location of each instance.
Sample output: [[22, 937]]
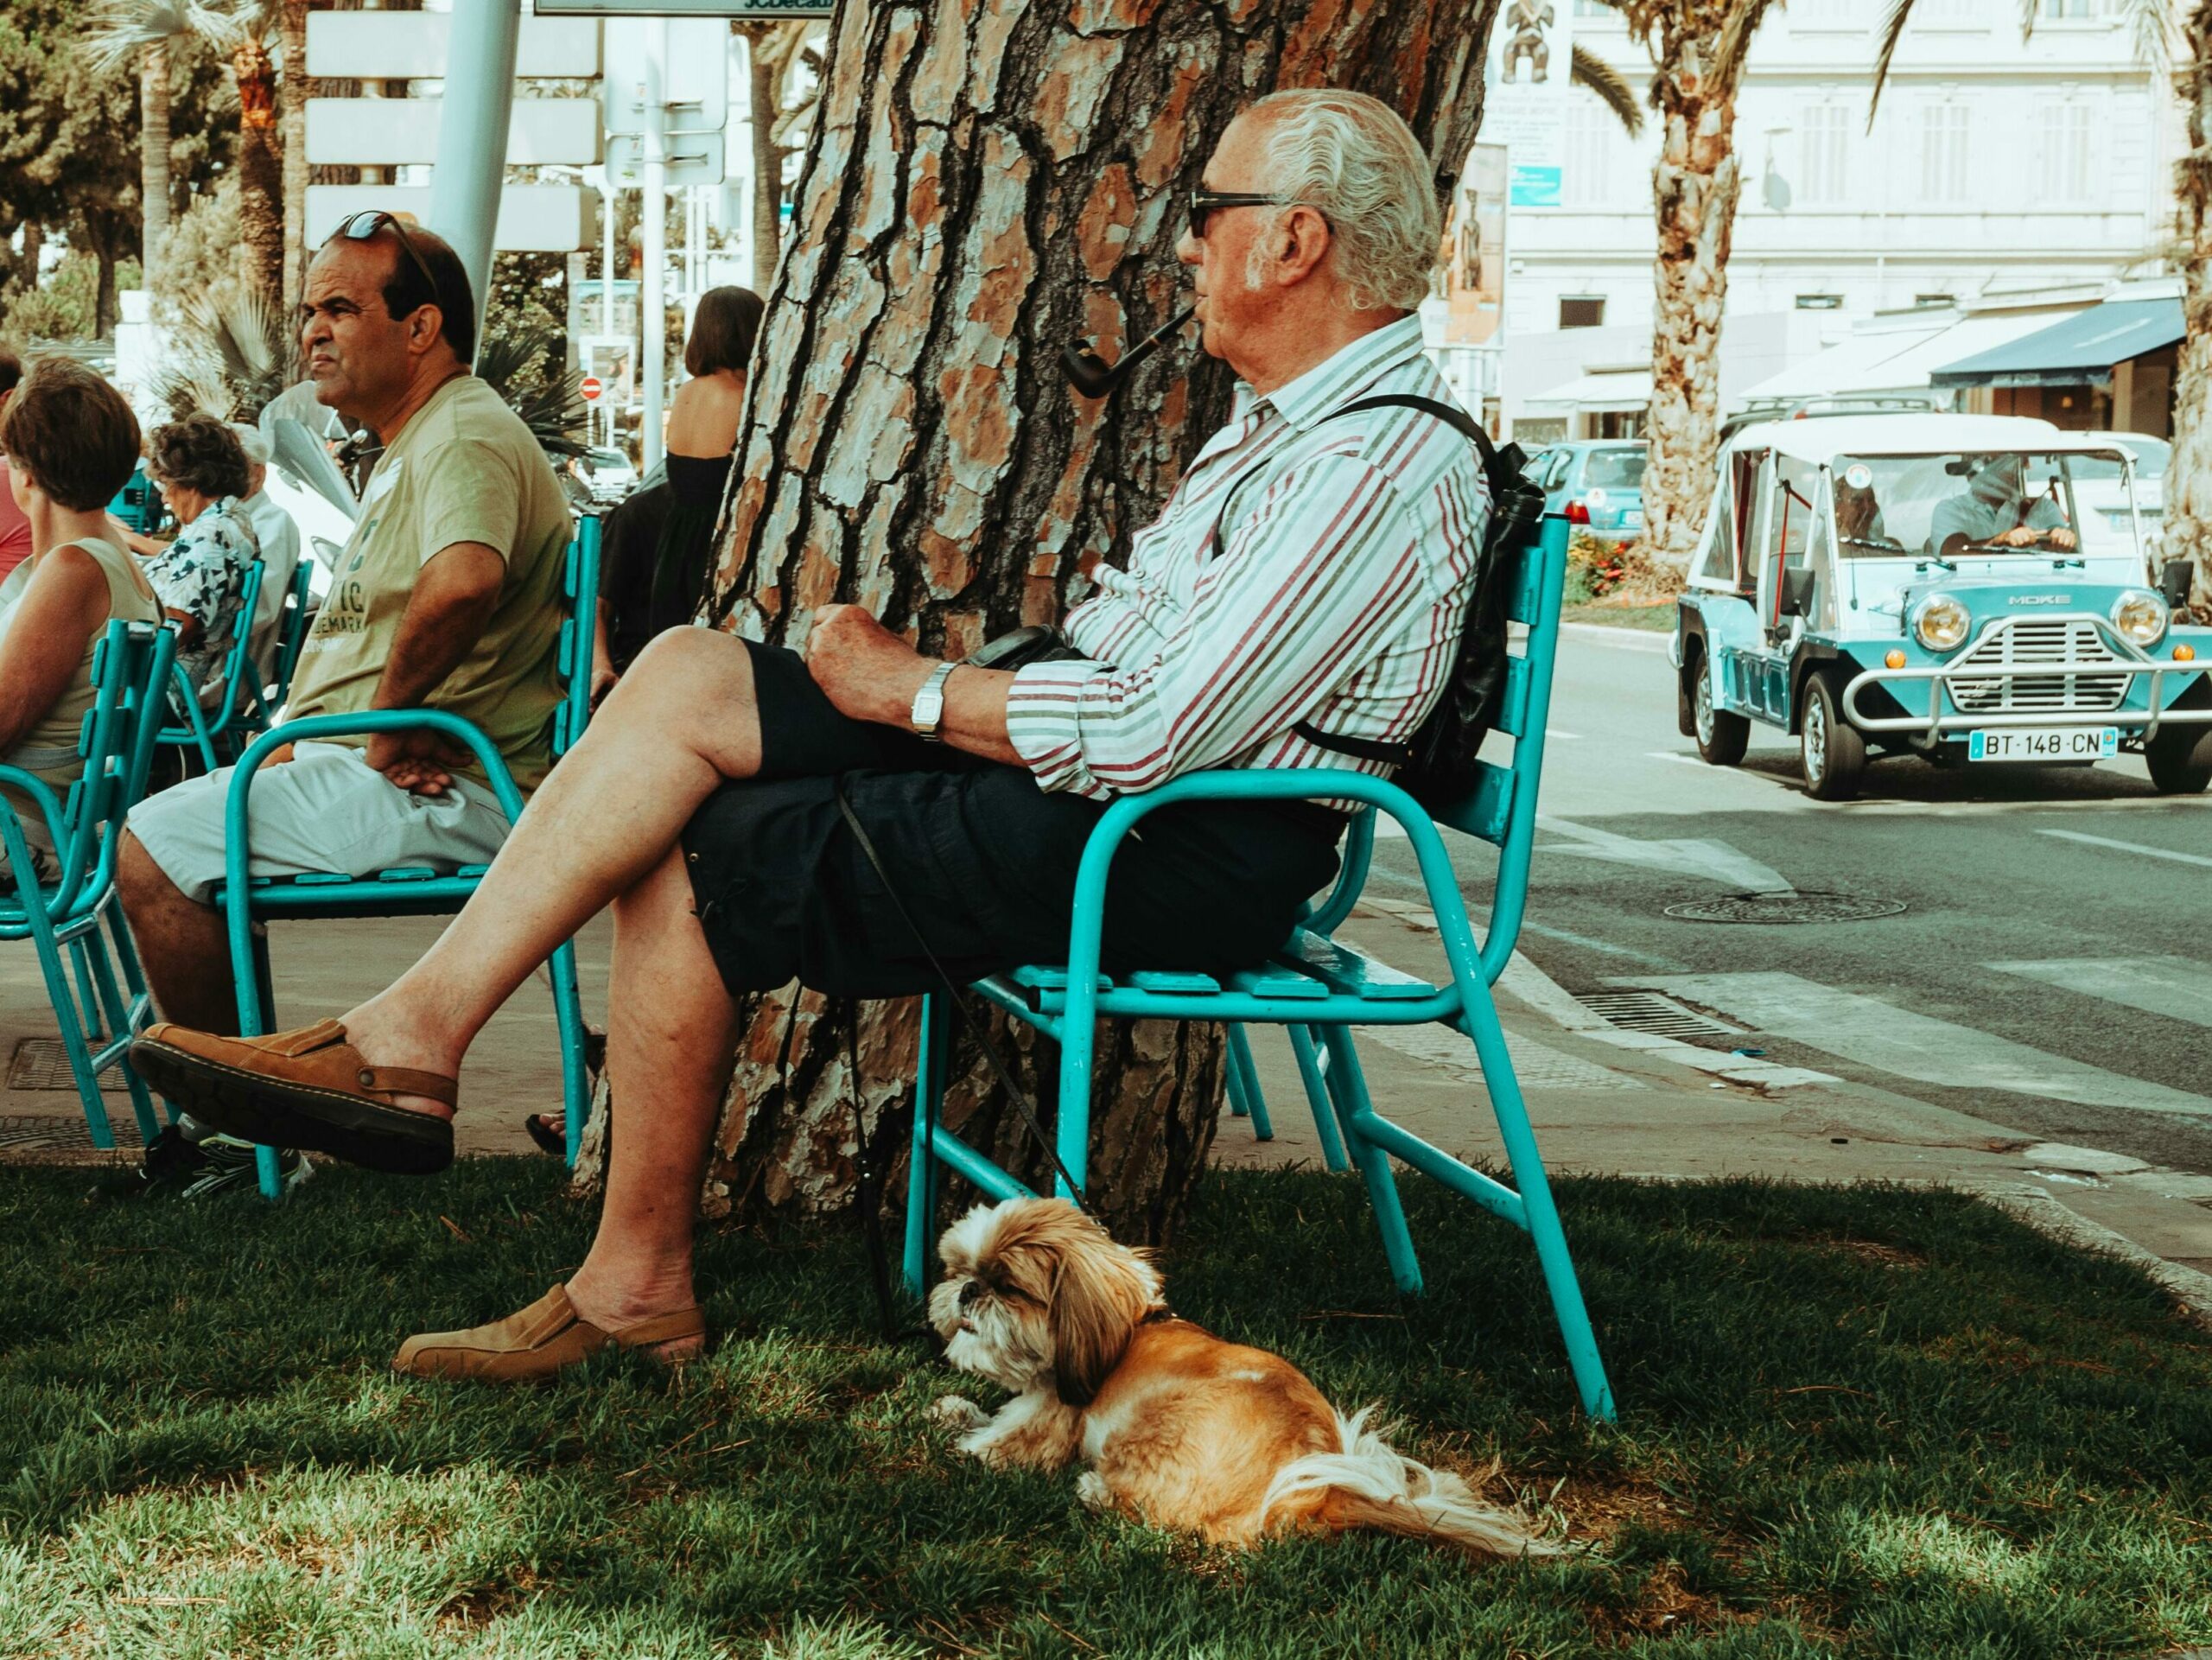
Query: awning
[[2079, 349], [1618, 389], [1858, 364]]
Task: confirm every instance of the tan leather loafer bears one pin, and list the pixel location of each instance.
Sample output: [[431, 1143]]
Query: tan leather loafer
[[308, 1088], [536, 1343]]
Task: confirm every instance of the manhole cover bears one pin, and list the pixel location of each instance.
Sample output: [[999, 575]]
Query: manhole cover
[[40, 1064], [1651, 1011], [1786, 906]]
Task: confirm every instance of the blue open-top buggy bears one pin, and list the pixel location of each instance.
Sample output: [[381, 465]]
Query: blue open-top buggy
[[1933, 584]]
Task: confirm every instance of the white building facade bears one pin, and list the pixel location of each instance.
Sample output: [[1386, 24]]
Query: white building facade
[[1996, 167]]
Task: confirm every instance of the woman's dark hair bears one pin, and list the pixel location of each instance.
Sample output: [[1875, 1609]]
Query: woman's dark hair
[[11, 370], [722, 330], [70, 434], [199, 453]]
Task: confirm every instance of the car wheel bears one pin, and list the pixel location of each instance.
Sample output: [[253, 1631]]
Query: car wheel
[[1834, 752], [1721, 737], [2180, 759]]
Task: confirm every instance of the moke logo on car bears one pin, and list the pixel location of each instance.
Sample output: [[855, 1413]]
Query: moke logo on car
[[2040, 599]]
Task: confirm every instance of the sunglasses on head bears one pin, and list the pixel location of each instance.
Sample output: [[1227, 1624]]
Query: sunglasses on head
[[1203, 203], [360, 227]]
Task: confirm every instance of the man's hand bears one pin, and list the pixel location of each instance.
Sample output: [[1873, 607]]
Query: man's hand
[[2062, 538], [864, 669], [2018, 537], [419, 761]]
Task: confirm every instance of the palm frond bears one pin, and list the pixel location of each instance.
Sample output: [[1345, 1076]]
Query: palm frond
[[116, 31], [230, 356], [1588, 70], [1734, 44], [512, 362], [1893, 32]]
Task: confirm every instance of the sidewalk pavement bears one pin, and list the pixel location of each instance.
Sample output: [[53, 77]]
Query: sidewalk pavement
[[1602, 1099]]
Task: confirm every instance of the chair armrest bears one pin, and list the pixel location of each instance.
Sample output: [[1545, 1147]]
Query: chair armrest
[[1254, 783], [18, 845]]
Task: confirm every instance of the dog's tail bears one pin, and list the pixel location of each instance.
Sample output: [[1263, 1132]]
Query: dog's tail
[[1370, 1485]]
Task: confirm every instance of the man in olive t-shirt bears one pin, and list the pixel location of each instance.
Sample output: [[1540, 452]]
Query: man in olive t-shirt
[[446, 595]]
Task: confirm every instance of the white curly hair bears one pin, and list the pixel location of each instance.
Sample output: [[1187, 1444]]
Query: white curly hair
[[1352, 157]]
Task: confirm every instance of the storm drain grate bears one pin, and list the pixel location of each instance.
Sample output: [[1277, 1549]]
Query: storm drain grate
[[1650, 1011], [17, 1133], [1788, 906], [40, 1064]]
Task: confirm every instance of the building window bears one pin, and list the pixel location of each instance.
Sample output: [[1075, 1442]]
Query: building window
[[2059, 11], [1593, 8], [2063, 137], [1825, 179], [1951, 14], [1932, 300], [1820, 302], [1828, 14], [1581, 312], [1944, 159], [1603, 168]]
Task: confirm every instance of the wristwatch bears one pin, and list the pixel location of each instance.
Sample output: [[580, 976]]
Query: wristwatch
[[929, 703]]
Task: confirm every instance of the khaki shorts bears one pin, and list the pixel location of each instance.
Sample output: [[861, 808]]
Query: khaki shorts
[[323, 809]]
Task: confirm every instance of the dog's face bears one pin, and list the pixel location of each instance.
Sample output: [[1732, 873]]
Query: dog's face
[[1036, 1295]]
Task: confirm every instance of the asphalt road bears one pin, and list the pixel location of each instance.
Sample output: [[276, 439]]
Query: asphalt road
[[2051, 970]]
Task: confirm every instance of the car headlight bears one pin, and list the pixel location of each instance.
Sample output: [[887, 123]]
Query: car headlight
[[1939, 622], [2140, 616]]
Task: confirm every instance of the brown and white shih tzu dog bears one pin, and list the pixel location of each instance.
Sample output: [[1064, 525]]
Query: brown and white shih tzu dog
[[1179, 1429]]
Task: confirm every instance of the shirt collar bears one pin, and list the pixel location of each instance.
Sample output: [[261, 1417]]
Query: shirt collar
[[1330, 384]]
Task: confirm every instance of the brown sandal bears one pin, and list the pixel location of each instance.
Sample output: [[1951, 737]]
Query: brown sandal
[[308, 1088], [536, 1343]]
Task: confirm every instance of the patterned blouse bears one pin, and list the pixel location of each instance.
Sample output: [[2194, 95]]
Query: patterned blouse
[[202, 574]]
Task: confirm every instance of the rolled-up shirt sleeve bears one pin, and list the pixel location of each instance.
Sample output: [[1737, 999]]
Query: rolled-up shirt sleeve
[[1315, 580]]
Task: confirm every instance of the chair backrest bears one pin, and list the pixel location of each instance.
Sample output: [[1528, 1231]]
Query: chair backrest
[[291, 631], [579, 594], [131, 668], [1501, 808], [239, 670]]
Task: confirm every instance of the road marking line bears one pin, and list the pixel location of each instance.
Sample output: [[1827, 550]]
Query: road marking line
[[1897, 1041], [1554, 732], [1675, 754], [2129, 847], [2172, 986], [1530, 985], [1698, 856]]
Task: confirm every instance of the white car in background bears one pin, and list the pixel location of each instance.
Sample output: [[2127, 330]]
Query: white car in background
[[609, 472], [2098, 487]]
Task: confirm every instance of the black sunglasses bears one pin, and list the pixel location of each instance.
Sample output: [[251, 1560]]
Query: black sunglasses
[[360, 227], [1203, 202]]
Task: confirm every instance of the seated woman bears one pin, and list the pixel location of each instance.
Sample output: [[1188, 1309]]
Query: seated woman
[[202, 472], [71, 442], [653, 562]]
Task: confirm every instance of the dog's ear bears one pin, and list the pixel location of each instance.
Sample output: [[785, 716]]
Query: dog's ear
[[1099, 1294]]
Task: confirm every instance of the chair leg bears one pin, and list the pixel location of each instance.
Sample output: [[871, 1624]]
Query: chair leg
[[139, 1009], [576, 1073], [1245, 1080], [1348, 1089], [1232, 1083], [116, 1011], [257, 1015], [1536, 1203], [64, 1000], [922, 1179], [1324, 1107]]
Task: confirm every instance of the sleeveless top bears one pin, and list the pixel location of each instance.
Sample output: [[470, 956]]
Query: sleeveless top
[[48, 751]]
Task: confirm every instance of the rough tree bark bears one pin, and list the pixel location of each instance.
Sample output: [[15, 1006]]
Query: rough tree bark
[[988, 179], [2189, 477], [261, 171], [153, 154], [292, 134]]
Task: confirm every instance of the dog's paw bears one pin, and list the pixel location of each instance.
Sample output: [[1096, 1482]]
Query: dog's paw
[[1092, 1488], [954, 1412]]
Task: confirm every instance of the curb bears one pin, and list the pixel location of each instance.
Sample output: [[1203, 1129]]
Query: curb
[[1640, 639]]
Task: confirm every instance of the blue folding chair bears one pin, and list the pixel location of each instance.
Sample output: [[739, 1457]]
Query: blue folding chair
[[131, 668], [1319, 985], [410, 890], [264, 699], [203, 729]]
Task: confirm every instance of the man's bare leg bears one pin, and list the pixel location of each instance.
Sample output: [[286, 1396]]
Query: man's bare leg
[[183, 946], [671, 1042], [679, 723]]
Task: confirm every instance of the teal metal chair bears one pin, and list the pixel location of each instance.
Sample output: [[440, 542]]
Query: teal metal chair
[[131, 671], [204, 730], [410, 890], [1319, 985], [264, 699]]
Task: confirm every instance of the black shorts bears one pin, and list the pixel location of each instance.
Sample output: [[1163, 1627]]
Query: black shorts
[[983, 861]]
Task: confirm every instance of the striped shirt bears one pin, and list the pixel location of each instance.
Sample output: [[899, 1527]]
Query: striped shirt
[[1305, 570]]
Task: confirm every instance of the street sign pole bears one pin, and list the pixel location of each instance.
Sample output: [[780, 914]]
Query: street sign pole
[[609, 201], [652, 314], [473, 135]]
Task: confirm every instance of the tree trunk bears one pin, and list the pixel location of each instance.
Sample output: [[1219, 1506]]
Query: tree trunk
[[106, 313], [153, 153], [2189, 476], [971, 199], [766, 100], [292, 130], [261, 171], [1696, 183]]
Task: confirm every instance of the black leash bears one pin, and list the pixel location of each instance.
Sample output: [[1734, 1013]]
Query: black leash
[[870, 1185]]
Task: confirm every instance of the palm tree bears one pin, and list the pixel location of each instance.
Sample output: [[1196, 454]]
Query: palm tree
[[292, 134], [2188, 528], [1698, 48], [144, 33]]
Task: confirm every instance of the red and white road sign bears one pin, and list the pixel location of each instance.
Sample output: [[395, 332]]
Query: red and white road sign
[[591, 388]]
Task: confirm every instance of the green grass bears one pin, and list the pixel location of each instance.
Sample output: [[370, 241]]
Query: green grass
[[1863, 1422], [1657, 618]]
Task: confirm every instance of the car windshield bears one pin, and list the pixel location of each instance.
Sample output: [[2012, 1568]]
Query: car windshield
[[1615, 469], [2150, 455], [609, 458], [2009, 504]]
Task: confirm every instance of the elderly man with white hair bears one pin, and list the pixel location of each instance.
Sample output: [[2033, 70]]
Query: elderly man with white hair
[[278, 536], [746, 810]]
